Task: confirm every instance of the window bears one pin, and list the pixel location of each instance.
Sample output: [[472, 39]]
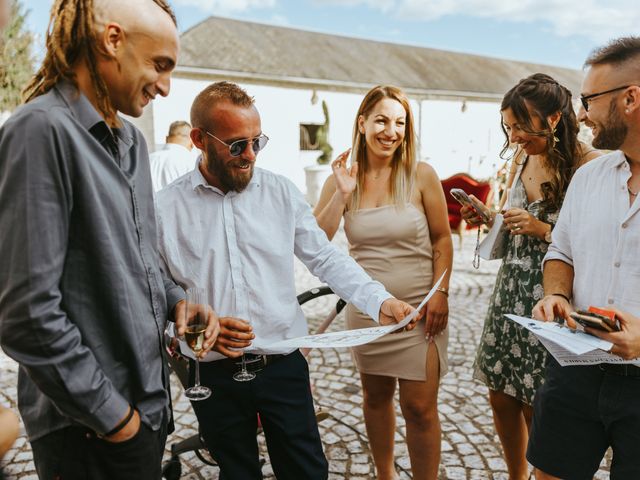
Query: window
[[309, 136]]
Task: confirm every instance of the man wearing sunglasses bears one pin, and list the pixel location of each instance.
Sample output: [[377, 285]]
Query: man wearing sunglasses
[[581, 411], [234, 229]]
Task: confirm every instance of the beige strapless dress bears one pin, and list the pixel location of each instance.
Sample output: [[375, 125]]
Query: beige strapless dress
[[393, 245]]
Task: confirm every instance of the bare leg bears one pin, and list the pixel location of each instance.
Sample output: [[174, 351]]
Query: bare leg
[[9, 429], [545, 476], [419, 403], [513, 430], [380, 421]]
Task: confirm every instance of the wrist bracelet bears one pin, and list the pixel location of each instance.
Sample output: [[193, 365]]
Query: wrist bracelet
[[443, 290], [122, 424], [560, 295]]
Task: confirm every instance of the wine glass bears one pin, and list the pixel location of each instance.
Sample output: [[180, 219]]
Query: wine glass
[[516, 198], [244, 375], [196, 321]]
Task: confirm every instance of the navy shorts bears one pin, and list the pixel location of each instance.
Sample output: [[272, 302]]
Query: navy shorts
[[579, 413]]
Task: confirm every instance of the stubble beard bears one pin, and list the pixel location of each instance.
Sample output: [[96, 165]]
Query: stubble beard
[[217, 167], [613, 132]]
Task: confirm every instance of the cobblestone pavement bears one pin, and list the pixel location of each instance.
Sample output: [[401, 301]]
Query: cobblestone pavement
[[470, 448]]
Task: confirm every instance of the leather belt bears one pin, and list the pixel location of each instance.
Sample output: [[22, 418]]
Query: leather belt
[[622, 369], [254, 363]]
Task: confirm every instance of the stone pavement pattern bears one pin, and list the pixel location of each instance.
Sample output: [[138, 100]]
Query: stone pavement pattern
[[470, 448]]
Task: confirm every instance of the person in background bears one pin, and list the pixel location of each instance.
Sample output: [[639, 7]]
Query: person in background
[[174, 159], [539, 120], [581, 411], [395, 219]]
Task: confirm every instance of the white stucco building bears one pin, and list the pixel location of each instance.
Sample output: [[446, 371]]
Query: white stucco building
[[455, 96]]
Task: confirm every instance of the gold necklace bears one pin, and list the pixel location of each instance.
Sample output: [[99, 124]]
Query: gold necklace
[[633, 194]]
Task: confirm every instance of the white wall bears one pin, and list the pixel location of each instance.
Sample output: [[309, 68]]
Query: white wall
[[452, 140], [455, 141]]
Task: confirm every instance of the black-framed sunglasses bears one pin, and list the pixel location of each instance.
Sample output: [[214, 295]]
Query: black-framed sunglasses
[[236, 148], [585, 98]]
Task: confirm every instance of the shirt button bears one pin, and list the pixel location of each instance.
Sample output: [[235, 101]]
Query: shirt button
[[610, 301], [624, 225], [617, 264]]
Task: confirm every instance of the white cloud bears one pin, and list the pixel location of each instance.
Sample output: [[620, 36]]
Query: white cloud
[[225, 6], [595, 19]]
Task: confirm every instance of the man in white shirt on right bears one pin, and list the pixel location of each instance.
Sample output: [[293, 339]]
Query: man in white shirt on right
[[581, 411], [175, 158]]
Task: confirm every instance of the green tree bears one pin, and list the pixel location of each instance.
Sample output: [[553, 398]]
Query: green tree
[[16, 62]]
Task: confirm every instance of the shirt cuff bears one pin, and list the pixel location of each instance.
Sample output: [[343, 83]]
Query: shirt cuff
[[109, 414], [174, 295], [374, 303], [556, 255]]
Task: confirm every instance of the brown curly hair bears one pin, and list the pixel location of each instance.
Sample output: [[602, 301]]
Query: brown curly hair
[[545, 96]]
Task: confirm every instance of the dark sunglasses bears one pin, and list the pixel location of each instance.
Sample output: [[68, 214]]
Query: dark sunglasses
[[236, 148], [585, 98]]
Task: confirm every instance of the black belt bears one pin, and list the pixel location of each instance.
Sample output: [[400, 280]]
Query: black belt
[[254, 363], [622, 369]]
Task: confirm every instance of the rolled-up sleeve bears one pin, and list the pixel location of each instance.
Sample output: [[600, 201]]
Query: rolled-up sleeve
[[37, 198], [560, 248], [333, 266]]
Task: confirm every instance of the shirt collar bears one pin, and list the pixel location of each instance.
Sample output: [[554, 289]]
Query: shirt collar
[[175, 146], [621, 161], [79, 104], [198, 180], [85, 113]]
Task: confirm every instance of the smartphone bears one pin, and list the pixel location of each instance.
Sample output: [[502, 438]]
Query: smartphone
[[466, 201], [595, 320]]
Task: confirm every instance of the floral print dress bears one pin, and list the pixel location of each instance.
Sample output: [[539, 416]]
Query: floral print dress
[[510, 359]]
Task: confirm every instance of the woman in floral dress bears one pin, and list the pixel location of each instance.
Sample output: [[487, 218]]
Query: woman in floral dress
[[538, 119]]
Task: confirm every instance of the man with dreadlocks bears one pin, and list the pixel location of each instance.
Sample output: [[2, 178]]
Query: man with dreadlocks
[[83, 301]]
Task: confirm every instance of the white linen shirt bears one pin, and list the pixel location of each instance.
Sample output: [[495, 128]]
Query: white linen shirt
[[240, 247], [170, 163], [599, 235]]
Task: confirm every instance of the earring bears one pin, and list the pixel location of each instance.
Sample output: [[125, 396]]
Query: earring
[[626, 110], [555, 139]]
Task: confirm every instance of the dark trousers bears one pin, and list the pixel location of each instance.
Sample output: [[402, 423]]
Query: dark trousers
[[579, 412], [281, 394], [75, 453]]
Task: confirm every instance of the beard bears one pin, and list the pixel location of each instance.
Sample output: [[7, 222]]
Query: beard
[[612, 132], [230, 180]]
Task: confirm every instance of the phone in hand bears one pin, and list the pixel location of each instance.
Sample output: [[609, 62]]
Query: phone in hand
[[595, 320], [466, 201]]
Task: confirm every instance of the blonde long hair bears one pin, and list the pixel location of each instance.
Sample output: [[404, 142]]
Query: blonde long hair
[[403, 164]]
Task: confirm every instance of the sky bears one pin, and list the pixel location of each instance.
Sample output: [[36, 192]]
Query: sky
[[551, 32]]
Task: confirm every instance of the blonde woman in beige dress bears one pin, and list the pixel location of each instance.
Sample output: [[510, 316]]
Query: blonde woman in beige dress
[[396, 223]]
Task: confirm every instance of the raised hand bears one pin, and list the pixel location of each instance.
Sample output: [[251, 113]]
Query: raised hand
[[345, 177]]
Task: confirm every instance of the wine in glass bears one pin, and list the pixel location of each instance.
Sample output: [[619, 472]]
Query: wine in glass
[[244, 375], [516, 198], [196, 321]]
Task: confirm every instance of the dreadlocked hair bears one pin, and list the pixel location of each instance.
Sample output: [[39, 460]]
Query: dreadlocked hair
[[545, 96], [71, 36]]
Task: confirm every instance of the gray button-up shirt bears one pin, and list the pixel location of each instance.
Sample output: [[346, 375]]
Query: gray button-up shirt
[[83, 302]]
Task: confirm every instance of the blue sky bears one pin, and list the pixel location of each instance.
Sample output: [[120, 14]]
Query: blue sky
[[554, 32]]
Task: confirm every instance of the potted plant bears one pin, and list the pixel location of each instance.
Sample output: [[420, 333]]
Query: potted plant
[[317, 174]]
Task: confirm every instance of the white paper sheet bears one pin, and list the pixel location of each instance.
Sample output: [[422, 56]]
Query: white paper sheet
[[351, 338], [347, 338], [570, 347], [485, 250]]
